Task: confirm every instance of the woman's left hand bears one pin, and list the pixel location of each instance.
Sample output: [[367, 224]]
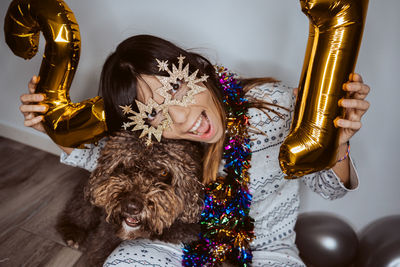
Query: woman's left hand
[[354, 105]]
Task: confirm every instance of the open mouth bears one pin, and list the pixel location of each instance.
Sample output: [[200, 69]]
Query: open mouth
[[202, 127], [132, 221]]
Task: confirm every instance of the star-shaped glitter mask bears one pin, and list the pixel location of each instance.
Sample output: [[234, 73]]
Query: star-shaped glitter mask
[[178, 74], [139, 120]]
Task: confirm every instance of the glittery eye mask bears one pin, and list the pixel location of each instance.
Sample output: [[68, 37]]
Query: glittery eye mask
[[169, 83]]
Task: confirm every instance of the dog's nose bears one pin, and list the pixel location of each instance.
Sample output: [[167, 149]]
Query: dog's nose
[[132, 205]]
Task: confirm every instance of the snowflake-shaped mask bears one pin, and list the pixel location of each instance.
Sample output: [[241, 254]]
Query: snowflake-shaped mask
[[179, 88]]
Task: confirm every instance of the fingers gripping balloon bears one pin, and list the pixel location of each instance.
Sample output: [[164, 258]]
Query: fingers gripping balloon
[[68, 124], [336, 28]]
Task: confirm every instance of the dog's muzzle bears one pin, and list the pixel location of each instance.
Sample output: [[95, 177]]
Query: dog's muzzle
[[131, 207]]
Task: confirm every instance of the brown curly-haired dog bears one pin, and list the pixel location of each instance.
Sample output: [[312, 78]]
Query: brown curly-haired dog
[[136, 192]]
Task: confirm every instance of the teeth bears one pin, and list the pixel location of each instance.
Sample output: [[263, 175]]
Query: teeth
[[131, 220], [197, 125]]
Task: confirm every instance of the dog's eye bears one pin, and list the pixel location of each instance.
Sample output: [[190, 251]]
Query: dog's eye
[[166, 177]]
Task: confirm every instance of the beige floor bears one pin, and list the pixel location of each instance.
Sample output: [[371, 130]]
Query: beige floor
[[34, 187]]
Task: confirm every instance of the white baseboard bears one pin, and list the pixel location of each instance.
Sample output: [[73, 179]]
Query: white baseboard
[[29, 137]]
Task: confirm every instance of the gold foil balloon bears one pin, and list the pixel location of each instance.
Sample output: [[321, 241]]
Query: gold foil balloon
[[336, 28], [68, 124]]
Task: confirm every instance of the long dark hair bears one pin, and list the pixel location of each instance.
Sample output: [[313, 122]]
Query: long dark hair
[[137, 56]]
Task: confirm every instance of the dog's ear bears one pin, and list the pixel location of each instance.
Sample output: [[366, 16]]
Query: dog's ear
[[193, 209], [107, 162], [106, 165], [185, 159], [189, 187], [118, 151]]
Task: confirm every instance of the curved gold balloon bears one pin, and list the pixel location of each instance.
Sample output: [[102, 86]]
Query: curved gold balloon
[[68, 124], [336, 28]]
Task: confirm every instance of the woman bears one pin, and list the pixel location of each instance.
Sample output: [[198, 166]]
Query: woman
[[132, 77]]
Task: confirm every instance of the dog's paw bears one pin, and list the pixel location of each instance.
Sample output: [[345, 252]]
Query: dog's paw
[[72, 244], [73, 235]]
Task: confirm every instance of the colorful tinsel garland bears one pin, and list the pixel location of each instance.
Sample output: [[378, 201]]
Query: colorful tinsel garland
[[226, 227]]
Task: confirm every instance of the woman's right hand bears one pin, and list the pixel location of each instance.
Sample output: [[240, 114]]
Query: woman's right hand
[[30, 106]]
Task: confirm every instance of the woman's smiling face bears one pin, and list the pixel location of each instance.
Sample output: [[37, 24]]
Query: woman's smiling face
[[199, 121]]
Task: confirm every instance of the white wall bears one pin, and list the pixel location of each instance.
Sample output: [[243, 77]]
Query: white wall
[[254, 38]]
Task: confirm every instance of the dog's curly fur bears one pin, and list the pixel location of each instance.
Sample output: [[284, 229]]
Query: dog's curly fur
[[136, 192]]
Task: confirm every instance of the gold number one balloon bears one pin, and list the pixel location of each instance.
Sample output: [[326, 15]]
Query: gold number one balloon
[[336, 28], [68, 124]]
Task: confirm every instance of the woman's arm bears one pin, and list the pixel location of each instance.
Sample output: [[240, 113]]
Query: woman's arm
[[30, 108], [342, 168], [355, 106]]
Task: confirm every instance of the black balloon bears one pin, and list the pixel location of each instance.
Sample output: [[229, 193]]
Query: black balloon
[[380, 243], [325, 240]]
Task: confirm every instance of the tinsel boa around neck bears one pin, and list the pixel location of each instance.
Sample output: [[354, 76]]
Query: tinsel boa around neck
[[226, 227]]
